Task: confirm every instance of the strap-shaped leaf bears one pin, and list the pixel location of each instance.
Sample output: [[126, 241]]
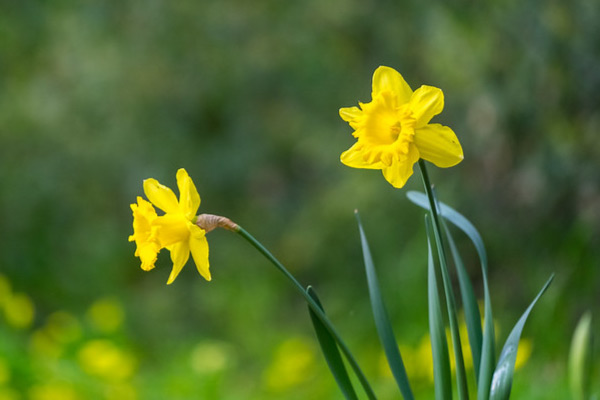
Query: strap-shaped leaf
[[486, 366], [580, 358], [384, 329], [503, 376], [330, 350], [472, 315], [439, 346]]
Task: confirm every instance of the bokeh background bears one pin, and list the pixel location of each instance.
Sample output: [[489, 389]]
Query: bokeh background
[[96, 96]]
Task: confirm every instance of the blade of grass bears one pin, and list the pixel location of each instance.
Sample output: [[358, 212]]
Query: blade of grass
[[313, 306], [486, 366], [472, 315], [461, 376], [580, 358], [439, 346], [330, 350], [384, 329], [503, 376]]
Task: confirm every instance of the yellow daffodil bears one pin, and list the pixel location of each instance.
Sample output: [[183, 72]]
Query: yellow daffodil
[[176, 230], [393, 130]]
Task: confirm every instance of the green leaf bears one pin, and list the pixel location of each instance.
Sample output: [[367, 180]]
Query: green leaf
[[580, 358], [439, 345], [503, 376], [472, 315], [330, 350], [384, 329], [486, 366]]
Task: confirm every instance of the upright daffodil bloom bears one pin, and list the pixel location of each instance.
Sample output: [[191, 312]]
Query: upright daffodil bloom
[[176, 230], [393, 130]]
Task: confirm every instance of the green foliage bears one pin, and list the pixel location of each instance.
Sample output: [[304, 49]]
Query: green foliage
[[330, 350], [469, 302], [580, 358], [382, 322], [486, 366], [96, 96], [437, 331], [503, 375]]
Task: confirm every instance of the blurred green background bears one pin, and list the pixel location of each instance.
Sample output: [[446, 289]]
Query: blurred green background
[[96, 96]]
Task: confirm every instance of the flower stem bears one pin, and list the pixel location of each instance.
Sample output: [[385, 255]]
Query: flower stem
[[314, 307], [461, 378]]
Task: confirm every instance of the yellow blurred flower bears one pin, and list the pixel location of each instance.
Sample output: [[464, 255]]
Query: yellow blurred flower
[[121, 391], [50, 341], [42, 344], [5, 290], [523, 352], [176, 230], [106, 314], [63, 327], [19, 310], [393, 130], [209, 357], [104, 359], [4, 372], [7, 393], [291, 365], [53, 391]]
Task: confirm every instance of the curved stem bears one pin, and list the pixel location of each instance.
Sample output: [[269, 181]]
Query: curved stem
[[461, 377], [314, 307]]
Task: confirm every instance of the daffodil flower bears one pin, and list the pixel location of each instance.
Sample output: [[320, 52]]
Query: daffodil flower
[[393, 130], [176, 230]]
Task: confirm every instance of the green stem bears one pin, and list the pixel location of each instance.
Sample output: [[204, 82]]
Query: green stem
[[314, 307], [461, 377]]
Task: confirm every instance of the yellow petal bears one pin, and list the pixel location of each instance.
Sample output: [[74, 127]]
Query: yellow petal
[[349, 114], [161, 196], [357, 157], [189, 199], [180, 253], [402, 168], [388, 79], [426, 102], [438, 144], [170, 229], [199, 248]]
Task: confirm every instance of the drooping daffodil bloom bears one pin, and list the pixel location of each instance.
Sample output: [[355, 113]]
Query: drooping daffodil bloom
[[393, 130], [176, 230]]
